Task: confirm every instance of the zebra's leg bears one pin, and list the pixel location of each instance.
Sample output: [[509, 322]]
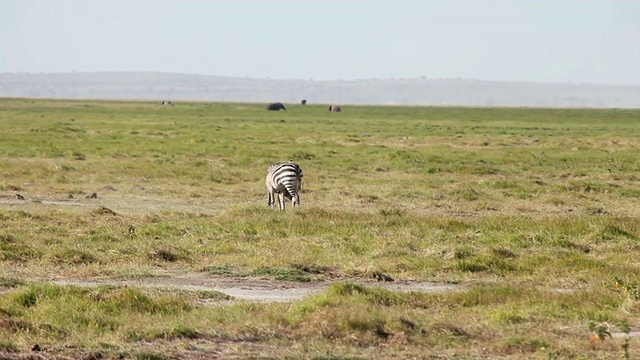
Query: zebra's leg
[[282, 201], [271, 198]]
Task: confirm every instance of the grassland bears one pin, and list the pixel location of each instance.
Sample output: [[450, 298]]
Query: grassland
[[533, 213]]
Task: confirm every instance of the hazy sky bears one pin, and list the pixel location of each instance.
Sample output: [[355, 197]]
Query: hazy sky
[[544, 41]]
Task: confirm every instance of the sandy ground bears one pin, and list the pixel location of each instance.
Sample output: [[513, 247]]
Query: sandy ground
[[251, 288]]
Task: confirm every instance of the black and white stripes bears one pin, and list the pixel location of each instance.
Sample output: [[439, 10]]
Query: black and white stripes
[[284, 179]]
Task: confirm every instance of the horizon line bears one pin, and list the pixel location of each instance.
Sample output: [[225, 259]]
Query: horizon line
[[267, 78]]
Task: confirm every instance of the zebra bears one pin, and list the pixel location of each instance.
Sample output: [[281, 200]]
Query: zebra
[[285, 179], [335, 108]]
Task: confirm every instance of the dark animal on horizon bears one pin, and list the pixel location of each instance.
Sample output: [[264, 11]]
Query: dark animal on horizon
[[276, 106], [334, 108], [284, 179], [303, 102], [167, 102]]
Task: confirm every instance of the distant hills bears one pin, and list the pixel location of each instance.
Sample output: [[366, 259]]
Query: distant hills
[[405, 91]]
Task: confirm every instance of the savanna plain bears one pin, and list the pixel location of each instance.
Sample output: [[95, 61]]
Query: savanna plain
[[423, 232]]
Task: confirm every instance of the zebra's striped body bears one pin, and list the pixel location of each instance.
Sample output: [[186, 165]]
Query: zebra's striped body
[[284, 179]]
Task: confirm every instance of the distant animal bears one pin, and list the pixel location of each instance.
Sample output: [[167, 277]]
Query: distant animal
[[334, 108], [167, 102], [276, 106], [284, 179], [303, 102]]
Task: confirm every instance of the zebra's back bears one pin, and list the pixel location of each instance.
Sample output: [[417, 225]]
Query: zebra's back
[[284, 179]]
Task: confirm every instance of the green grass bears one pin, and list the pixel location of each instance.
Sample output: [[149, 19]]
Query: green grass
[[533, 212], [501, 318]]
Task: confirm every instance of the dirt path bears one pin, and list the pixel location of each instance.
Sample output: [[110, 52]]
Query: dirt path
[[252, 289]]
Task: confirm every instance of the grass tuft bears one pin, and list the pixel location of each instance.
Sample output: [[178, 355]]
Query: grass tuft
[[523, 345], [165, 255], [104, 211]]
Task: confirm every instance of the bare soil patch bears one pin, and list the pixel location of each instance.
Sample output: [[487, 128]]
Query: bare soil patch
[[250, 288]]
